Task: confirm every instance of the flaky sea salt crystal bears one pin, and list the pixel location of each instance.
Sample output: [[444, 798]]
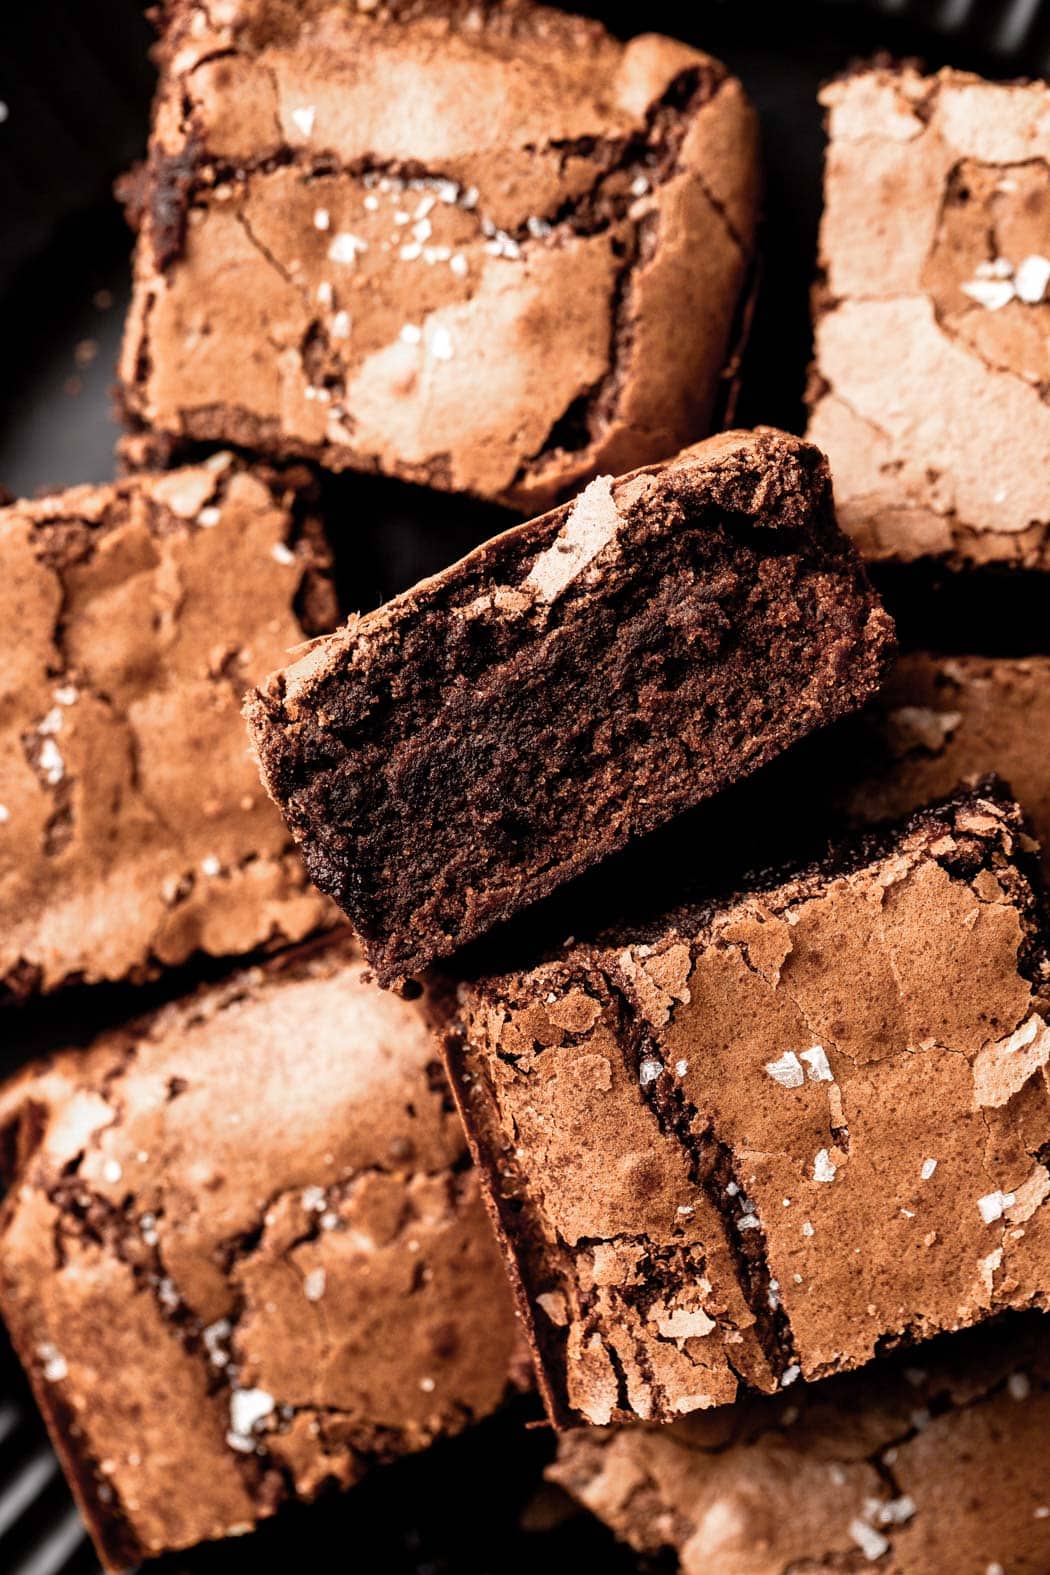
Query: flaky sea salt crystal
[[787, 1070], [1031, 279], [817, 1063], [993, 1204], [870, 1542], [823, 1168]]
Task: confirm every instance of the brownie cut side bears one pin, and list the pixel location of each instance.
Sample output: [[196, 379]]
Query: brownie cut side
[[447, 760], [244, 1258], [765, 1139]]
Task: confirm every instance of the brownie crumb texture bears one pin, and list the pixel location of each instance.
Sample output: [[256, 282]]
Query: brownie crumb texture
[[457, 754], [133, 831], [244, 1255], [931, 393], [927, 1463], [779, 1136], [484, 247]]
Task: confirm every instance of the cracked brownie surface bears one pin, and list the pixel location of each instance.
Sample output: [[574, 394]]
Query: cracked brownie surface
[[482, 246], [243, 1252], [460, 752], [132, 828], [938, 719], [931, 1462], [931, 392], [768, 1139]]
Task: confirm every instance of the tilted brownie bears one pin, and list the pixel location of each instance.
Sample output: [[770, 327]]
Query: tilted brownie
[[457, 754], [132, 828], [485, 246], [915, 1466], [242, 1254], [933, 316], [939, 719], [765, 1139]]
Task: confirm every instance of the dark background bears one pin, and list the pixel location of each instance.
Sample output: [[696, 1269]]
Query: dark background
[[76, 82]]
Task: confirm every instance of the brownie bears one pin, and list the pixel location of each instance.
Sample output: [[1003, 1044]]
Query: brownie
[[932, 370], [773, 1135], [909, 1468], [487, 247], [243, 1253], [941, 718], [457, 754], [132, 828]]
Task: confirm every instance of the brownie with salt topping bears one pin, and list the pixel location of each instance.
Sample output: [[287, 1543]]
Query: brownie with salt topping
[[922, 1463], [133, 832], [764, 1139], [932, 366], [486, 246], [579, 680], [242, 1252]]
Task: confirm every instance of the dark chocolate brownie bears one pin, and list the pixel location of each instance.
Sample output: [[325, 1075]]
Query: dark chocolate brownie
[[133, 832], [769, 1137], [457, 754], [924, 1463], [242, 1253], [488, 247]]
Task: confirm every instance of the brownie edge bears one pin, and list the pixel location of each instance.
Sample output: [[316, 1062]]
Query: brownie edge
[[456, 755], [243, 1256], [776, 1134]]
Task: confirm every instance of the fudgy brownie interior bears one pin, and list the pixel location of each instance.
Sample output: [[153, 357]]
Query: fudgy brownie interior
[[572, 684]]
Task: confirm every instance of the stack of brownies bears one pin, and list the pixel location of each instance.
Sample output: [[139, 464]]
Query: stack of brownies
[[604, 1081]]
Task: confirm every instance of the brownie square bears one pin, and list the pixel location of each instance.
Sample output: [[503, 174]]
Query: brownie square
[[132, 829], [485, 247], [933, 316], [892, 1463], [452, 757], [242, 1253], [939, 719], [772, 1136]]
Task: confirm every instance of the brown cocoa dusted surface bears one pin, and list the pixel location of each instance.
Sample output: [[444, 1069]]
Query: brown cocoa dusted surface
[[939, 719], [930, 393], [243, 1253], [457, 754], [484, 246], [929, 1462], [766, 1140], [133, 831]]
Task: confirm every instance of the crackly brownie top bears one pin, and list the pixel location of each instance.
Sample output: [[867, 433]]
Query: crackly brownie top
[[467, 234], [933, 367], [243, 1252], [931, 1461], [938, 719], [774, 1134], [132, 828]]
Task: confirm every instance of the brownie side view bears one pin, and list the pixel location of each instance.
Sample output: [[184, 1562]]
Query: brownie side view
[[242, 1254], [939, 719], [767, 1139], [133, 832], [489, 248], [575, 682], [932, 320], [886, 1469]]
